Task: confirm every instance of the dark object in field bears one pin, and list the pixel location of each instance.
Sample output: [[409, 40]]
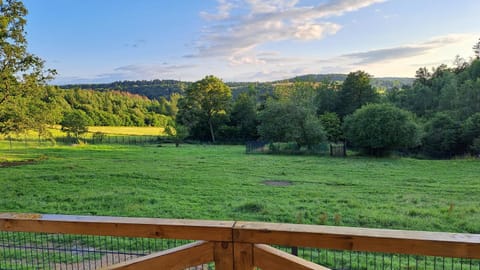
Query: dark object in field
[[278, 183]]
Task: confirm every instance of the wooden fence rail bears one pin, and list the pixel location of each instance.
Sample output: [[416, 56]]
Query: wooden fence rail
[[244, 245]]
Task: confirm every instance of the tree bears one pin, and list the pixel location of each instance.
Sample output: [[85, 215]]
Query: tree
[[244, 116], [355, 92], [442, 137], [75, 122], [285, 121], [177, 132], [204, 100], [332, 125], [379, 128], [326, 98], [423, 76], [476, 49], [22, 75], [471, 131]]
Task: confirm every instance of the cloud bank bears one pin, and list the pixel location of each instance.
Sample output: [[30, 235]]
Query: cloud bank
[[238, 28]]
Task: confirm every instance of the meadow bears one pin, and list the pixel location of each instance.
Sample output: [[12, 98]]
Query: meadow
[[224, 183]]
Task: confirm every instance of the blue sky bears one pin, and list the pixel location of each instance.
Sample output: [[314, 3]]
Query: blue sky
[[89, 41]]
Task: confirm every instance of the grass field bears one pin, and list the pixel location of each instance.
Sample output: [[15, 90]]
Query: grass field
[[221, 182], [107, 130]]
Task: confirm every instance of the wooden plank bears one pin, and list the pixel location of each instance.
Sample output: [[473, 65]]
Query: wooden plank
[[243, 256], [360, 239], [223, 256], [177, 258], [268, 258], [119, 226]]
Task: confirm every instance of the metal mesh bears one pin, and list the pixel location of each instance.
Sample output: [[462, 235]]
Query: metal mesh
[[355, 260], [63, 251]]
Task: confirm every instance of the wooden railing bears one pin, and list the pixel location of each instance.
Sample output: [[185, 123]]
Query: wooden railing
[[244, 245]]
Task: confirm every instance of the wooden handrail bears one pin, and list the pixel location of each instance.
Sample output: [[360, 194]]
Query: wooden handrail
[[119, 226], [240, 233], [360, 239]]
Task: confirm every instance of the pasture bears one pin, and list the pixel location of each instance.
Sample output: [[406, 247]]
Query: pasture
[[223, 183]]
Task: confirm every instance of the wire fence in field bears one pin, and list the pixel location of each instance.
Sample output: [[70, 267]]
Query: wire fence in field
[[110, 139], [20, 250], [62, 251], [356, 260], [113, 139]]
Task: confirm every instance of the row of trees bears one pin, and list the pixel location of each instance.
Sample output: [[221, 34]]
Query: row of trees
[[438, 115]]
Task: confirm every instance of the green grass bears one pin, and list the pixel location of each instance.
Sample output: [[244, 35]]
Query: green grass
[[223, 183], [109, 131]]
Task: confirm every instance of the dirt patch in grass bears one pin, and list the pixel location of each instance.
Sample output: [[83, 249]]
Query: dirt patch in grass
[[17, 163], [278, 183], [14, 163]]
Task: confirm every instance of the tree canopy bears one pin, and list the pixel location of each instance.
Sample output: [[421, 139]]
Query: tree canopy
[[356, 91], [204, 100], [22, 74], [380, 128]]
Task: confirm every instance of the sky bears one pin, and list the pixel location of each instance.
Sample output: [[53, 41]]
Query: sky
[[101, 41]]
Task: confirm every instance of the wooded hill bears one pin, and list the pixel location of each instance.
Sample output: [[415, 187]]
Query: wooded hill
[[155, 89]]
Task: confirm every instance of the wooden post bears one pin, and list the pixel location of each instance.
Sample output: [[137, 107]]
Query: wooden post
[[243, 254], [223, 255]]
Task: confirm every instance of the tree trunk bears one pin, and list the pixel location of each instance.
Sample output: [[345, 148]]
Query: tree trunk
[[211, 129]]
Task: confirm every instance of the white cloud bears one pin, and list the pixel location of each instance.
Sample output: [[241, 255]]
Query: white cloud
[[236, 38], [223, 11], [408, 50], [397, 61], [270, 6]]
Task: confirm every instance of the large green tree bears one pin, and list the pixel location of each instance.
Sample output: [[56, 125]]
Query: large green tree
[[288, 121], [22, 74], [204, 100], [355, 92], [379, 128]]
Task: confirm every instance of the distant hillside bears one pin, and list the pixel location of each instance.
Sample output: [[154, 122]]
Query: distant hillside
[[155, 89], [383, 82], [151, 89]]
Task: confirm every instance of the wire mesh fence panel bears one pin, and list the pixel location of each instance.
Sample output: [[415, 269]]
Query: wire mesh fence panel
[[62, 251], [256, 147], [355, 260]]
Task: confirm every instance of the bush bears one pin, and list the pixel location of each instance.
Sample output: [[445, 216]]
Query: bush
[[442, 137], [475, 147], [378, 129], [471, 131]]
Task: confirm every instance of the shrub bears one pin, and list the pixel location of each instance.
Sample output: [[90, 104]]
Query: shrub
[[379, 128], [471, 132], [442, 137]]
